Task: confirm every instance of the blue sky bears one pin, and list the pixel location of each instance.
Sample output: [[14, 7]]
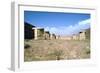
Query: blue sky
[[64, 24]]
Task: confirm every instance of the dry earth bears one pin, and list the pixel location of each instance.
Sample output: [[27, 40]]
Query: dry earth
[[41, 50]]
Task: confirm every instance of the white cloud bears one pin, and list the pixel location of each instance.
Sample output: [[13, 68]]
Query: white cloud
[[87, 21], [69, 30]]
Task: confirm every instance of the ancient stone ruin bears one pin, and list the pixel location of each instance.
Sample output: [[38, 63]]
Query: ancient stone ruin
[[33, 32]]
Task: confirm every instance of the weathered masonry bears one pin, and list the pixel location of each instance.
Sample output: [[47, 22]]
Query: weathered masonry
[[52, 36], [83, 35], [28, 33], [46, 35], [88, 34], [38, 33]]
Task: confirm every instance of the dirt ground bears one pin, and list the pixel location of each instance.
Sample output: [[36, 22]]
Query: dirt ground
[[43, 50]]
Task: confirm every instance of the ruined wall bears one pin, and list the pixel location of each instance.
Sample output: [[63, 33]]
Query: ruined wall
[[82, 35], [46, 35], [40, 34], [28, 33], [52, 36], [88, 34]]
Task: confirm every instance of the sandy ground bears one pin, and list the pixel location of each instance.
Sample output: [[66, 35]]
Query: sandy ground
[[43, 50]]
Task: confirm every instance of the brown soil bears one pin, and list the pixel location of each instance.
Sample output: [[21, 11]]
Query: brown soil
[[43, 50]]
